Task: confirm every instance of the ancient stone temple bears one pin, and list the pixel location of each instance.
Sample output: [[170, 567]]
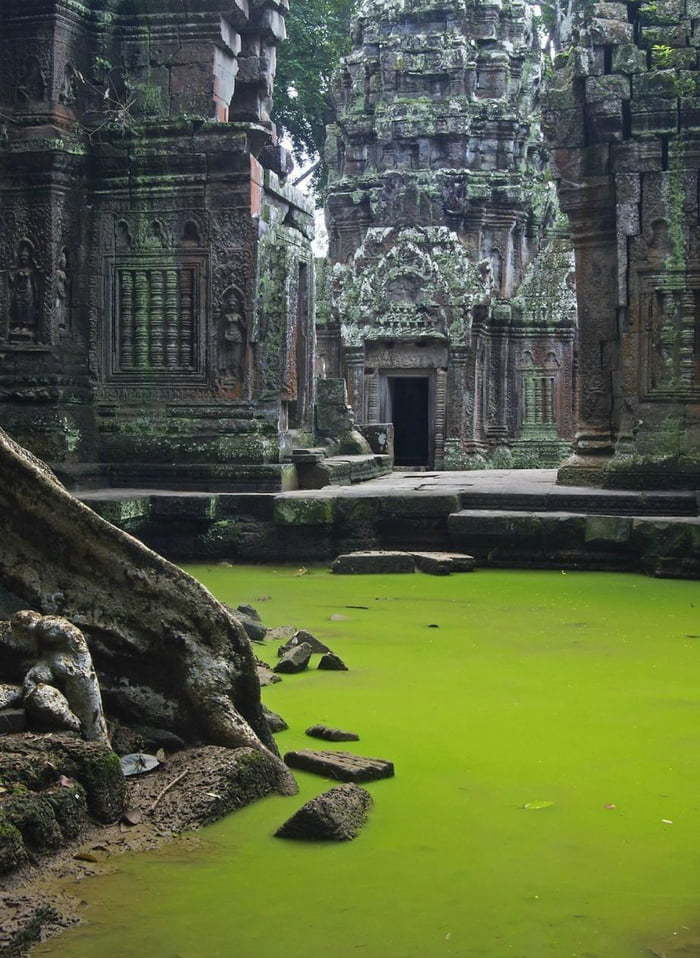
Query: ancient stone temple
[[623, 121], [156, 279], [451, 304]]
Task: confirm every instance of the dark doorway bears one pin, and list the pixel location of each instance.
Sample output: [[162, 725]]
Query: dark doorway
[[409, 413]]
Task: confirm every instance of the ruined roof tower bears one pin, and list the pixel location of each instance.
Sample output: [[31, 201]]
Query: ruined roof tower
[[439, 205]]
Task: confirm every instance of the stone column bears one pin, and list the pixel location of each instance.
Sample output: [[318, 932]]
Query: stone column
[[595, 244], [440, 418], [354, 361], [497, 428], [372, 394]]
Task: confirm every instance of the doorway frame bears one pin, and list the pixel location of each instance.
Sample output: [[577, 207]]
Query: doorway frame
[[385, 409]]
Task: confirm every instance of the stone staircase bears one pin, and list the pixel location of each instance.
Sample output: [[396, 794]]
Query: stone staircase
[[316, 469]]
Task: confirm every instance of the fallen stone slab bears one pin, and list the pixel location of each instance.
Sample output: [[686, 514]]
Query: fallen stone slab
[[332, 663], [373, 563], [343, 766], [443, 563], [301, 637], [296, 660], [337, 815], [332, 734], [275, 721]]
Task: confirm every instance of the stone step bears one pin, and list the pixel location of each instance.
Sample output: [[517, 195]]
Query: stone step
[[660, 545], [343, 470], [343, 766], [595, 502]]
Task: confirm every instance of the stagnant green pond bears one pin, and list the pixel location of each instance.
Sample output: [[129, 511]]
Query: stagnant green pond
[[579, 689]]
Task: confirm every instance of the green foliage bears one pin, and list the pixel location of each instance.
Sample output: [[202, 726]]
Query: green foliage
[[662, 55], [318, 36]]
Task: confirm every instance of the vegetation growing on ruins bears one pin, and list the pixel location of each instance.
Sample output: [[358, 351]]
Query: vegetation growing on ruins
[[319, 35]]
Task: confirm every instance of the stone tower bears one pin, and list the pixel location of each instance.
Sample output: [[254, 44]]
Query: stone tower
[[623, 121], [452, 303], [156, 278]]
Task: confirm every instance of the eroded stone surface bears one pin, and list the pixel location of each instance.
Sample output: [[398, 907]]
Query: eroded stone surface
[[337, 815], [341, 765], [296, 660]]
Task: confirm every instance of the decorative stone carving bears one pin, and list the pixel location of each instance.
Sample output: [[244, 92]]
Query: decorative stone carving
[[126, 225], [31, 84], [62, 299], [25, 301], [233, 336]]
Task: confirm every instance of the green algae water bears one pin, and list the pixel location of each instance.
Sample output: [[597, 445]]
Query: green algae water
[[581, 690]]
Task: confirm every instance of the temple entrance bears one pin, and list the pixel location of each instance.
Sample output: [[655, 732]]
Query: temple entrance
[[409, 410]]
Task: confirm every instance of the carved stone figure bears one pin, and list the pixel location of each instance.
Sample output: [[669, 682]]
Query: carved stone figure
[[31, 87], [68, 94], [64, 662], [232, 336], [62, 296], [24, 302]]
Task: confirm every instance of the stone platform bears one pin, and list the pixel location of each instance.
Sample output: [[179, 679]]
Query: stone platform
[[504, 518]]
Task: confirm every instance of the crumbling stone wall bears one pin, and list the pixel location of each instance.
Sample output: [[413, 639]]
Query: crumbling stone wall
[[621, 118], [140, 179], [441, 224]]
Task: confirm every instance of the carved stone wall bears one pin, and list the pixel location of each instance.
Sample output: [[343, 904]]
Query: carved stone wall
[[622, 121], [146, 333], [440, 215]]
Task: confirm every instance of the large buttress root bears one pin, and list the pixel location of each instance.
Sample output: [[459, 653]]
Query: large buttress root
[[146, 621]]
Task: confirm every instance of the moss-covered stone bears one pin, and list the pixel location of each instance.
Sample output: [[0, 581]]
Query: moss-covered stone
[[299, 511], [12, 850]]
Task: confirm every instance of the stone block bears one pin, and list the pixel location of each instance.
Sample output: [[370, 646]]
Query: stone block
[[343, 766], [656, 83], [608, 530], [337, 815], [667, 35], [419, 504], [610, 87], [303, 511], [654, 115], [331, 734], [639, 156], [575, 164], [373, 563], [605, 31], [628, 58], [183, 507]]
